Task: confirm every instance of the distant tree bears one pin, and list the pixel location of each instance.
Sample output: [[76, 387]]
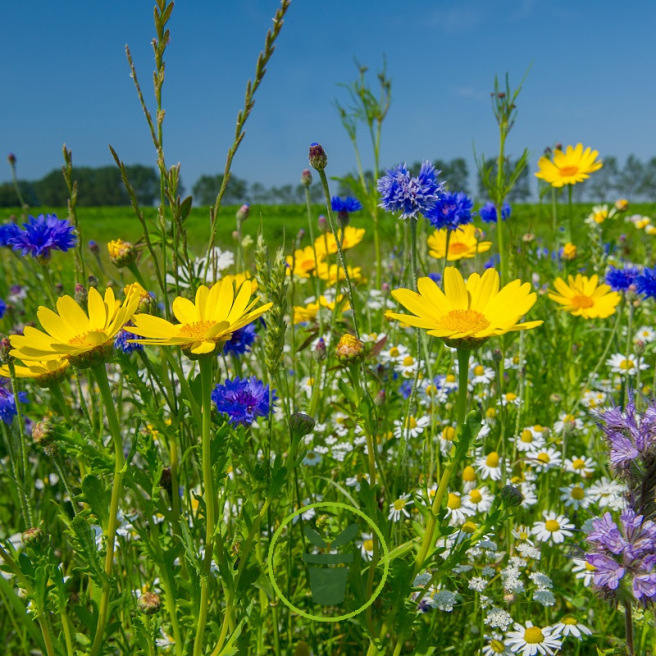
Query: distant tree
[[648, 185], [604, 183], [145, 181], [51, 189], [283, 195], [631, 177], [207, 187], [9, 198], [260, 194], [455, 173]]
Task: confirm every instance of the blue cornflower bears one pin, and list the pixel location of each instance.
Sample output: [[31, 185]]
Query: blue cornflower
[[436, 278], [488, 212], [3, 308], [121, 341], [241, 339], [402, 192], [348, 204], [451, 211], [621, 279], [42, 235], [7, 231], [646, 283], [406, 388], [493, 262], [8, 404], [243, 400]]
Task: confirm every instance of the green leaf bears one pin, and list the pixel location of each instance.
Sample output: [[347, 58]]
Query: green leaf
[[98, 497], [314, 537], [84, 539]]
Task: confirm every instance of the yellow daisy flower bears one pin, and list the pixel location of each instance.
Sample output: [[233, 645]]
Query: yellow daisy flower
[[303, 262], [349, 236], [44, 373], [204, 325], [309, 312], [335, 271], [84, 339], [584, 297], [569, 167], [465, 315], [463, 243]]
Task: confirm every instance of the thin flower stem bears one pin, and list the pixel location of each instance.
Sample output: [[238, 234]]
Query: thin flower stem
[[205, 364], [100, 375], [628, 620]]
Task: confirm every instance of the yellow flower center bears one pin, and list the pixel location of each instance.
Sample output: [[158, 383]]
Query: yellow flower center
[[544, 458], [526, 436], [491, 413], [463, 321], [497, 647], [399, 504], [475, 496], [431, 390], [626, 365], [570, 620], [552, 525], [85, 338], [450, 378], [196, 329], [538, 429], [564, 171], [492, 459], [533, 635], [368, 545], [569, 419], [577, 463], [408, 361], [411, 422], [510, 396], [454, 501], [468, 474], [448, 433], [394, 352], [479, 370], [581, 301], [577, 493], [458, 247], [469, 527]]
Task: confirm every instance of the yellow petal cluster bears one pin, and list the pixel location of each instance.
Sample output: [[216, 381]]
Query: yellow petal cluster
[[204, 324], [349, 237], [569, 167], [44, 373], [464, 315], [70, 332], [303, 263], [463, 243], [306, 313], [335, 272], [585, 297]]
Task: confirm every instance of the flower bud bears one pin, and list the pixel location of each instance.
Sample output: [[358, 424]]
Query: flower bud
[[555, 398], [301, 424], [306, 177], [318, 157], [379, 399], [319, 352], [93, 247], [343, 218], [497, 356], [639, 347], [92, 281], [323, 223], [5, 348], [349, 348], [33, 537], [59, 288], [166, 480], [11, 158], [121, 253], [43, 432], [385, 287], [511, 496], [302, 649], [81, 296], [300, 235], [149, 603], [235, 235], [242, 212]]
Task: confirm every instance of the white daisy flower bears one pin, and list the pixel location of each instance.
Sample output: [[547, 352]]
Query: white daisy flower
[[411, 427], [495, 646], [555, 528], [311, 458], [574, 496], [446, 438], [511, 363], [570, 626], [608, 494], [432, 392], [393, 354], [489, 466], [457, 509], [399, 507], [584, 571], [521, 532], [509, 398], [529, 439], [408, 366], [645, 334], [581, 465], [480, 499], [544, 459], [480, 375], [366, 546], [626, 365], [568, 422], [592, 399], [531, 640]]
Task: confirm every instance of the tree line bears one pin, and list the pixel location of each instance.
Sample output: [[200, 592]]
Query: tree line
[[102, 186]]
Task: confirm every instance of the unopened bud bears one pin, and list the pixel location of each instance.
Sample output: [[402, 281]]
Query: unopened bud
[[323, 223], [343, 219], [5, 348], [33, 537], [242, 212], [149, 603], [349, 348], [300, 235], [235, 235], [121, 253], [166, 480], [385, 287], [639, 347], [302, 649], [301, 424], [558, 146], [511, 496], [92, 281], [306, 177], [497, 356], [379, 399], [59, 287], [320, 350], [318, 157], [93, 247], [11, 158], [81, 296], [555, 398]]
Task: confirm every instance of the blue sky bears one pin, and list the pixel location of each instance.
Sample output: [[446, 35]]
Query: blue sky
[[65, 80]]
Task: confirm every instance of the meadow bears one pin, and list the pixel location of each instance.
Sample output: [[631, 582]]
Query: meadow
[[401, 422]]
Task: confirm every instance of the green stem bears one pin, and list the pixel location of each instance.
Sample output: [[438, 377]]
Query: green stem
[[100, 375], [206, 363]]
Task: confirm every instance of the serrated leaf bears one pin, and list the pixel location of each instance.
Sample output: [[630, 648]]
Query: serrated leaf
[[98, 497], [86, 550]]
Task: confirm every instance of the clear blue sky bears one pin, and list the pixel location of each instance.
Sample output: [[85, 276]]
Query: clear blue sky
[[65, 79]]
